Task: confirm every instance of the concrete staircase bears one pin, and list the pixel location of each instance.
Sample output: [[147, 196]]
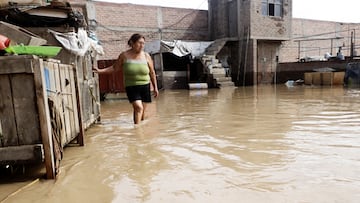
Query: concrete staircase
[[215, 47], [212, 66]]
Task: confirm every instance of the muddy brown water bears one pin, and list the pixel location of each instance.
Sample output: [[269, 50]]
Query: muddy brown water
[[252, 144]]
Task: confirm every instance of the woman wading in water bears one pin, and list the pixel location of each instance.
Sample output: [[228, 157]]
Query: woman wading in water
[[138, 72]]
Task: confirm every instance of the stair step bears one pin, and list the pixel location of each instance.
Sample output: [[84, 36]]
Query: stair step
[[223, 79], [216, 46], [225, 84], [210, 60], [213, 61], [214, 65], [219, 75], [218, 71], [208, 57]]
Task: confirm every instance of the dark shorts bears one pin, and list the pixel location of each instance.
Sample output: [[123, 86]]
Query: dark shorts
[[139, 92]]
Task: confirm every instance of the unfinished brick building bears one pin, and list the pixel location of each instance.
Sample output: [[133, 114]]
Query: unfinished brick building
[[260, 34], [256, 30], [256, 35], [115, 23]]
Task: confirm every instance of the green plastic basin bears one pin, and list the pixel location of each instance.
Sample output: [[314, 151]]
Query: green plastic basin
[[48, 51]]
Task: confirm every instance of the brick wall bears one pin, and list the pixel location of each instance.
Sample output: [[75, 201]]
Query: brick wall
[[117, 22], [267, 27], [317, 36]]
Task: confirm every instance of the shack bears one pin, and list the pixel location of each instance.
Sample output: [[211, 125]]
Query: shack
[[58, 93], [39, 111]]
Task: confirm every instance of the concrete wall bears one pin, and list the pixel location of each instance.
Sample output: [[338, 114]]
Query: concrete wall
[[228, 17], [223, 20]]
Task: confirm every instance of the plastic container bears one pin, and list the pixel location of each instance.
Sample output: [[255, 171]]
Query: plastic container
[[198, 86], [47, 51], [4, 42]]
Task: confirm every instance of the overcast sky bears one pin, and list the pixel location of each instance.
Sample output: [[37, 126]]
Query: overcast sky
[[331, 10]]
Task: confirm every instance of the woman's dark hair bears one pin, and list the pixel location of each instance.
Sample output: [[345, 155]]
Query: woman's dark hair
[[134, 38]]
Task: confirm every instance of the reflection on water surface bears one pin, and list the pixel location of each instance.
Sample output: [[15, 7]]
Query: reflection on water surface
[[251, 144]]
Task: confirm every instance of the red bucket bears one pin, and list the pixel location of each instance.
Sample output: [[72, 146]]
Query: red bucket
[[4, 42]]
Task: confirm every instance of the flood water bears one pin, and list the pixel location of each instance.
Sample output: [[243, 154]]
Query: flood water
[[252, 144]]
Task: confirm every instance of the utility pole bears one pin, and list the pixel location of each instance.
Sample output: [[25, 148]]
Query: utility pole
[[352, 44], [239, 30]]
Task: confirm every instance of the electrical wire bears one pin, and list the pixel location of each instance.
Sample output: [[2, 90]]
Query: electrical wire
[[152, 33], [325, 33]]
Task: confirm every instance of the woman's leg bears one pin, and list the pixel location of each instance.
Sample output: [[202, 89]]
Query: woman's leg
[[138, 111], [144, 108]]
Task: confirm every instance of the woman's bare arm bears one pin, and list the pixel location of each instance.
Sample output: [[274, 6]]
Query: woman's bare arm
[[152, 74], [115, 67]]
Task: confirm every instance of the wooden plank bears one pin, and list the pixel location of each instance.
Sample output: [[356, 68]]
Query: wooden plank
[[66, 106], [18, 64], [72, 77], [7, 116], [80, 67], [86, 100], [25, 108], [56, 112], [51, 90], [83, 90], [80, 137], [44, 117], [56, 109], [87, 67], [21, 154], [71, 106], [96, 103], [1, 134], [57, 77], [59, 103]]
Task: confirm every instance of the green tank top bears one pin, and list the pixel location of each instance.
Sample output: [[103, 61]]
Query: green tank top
[[136, 72]]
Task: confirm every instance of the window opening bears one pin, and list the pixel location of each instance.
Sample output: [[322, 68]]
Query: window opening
[[272, 7]]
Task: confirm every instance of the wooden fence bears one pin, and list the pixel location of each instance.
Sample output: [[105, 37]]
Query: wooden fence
[[40, 111]]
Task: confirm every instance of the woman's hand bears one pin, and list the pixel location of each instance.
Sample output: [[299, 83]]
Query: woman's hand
[[107, 70], [156, 92], [95, 69]]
